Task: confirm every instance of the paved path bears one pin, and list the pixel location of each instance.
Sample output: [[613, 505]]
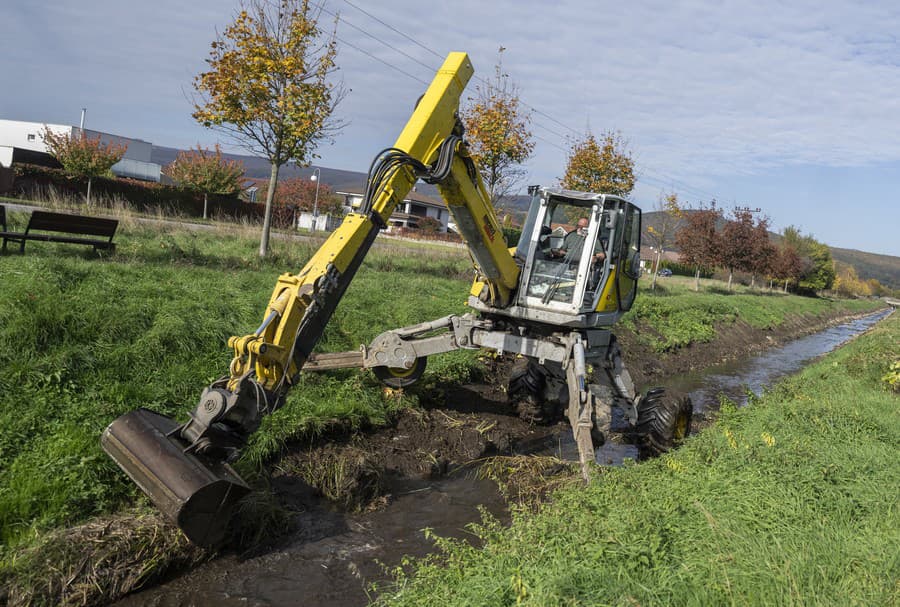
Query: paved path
[[190, 225]]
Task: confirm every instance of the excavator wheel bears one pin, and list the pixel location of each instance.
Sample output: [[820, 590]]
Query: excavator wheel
[[526, 392], [663, 422], [395, 377]]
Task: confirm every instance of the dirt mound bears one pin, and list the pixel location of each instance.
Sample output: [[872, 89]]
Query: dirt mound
[[356, 470], [100, 561]]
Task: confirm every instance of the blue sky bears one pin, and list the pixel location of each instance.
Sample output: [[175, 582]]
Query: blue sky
[[793, 108]]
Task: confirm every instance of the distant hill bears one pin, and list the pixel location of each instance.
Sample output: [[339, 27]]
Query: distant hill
[[884, 268]]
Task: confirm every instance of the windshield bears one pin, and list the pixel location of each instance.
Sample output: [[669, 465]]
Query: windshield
[[564, 231]]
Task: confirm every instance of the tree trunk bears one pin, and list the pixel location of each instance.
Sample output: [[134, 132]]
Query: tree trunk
[[697, 280], [655, 273], [753, 281], [89, 192], [204, 205], [267, 222], [730, 276]]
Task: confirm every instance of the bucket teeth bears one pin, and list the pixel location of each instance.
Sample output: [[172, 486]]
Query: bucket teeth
[[197, 493]]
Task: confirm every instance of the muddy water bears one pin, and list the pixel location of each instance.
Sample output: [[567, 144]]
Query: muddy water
[[335, 556]]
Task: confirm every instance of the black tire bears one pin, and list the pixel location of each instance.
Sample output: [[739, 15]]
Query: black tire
[[395, 377], [663, 422], [526, 392]]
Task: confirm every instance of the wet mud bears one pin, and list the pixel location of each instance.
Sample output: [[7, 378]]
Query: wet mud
[[360, 503]]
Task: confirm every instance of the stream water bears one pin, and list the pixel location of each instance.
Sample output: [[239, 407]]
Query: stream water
[[735, 380], [335, 556]]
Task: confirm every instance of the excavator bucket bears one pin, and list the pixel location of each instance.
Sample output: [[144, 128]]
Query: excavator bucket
[[195, 492]]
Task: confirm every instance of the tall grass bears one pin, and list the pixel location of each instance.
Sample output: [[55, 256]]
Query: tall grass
[[789, 501]]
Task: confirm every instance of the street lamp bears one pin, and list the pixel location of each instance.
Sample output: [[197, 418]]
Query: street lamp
[[317, 174]]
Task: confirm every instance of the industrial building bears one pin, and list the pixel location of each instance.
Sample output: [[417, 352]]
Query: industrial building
[[23, 142]]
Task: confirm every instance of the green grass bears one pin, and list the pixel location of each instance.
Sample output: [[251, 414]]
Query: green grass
[[789, 501], [675, 315], [84, 339]]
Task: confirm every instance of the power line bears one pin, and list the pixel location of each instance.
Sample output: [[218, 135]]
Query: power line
[[647, 175], [682, 185], [670, 182], [394, 29], [390, 65], [374, 37], [429, 67], [549, 130], [548, 142]]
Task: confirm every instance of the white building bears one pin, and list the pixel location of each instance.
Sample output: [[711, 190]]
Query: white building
[[22, 141], [415, 206]]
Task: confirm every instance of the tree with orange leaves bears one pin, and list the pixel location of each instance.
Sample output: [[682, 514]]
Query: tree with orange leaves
[[206, 172], [605, 166], [83, 156], [269, 86], [497, 131], [662, 235]]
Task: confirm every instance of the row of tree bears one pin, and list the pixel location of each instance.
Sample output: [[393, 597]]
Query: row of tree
[[203, 171], [708, 239]]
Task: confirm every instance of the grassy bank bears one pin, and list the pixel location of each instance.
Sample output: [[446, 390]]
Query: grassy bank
[[674, 315], [789, 501], [85, 339]]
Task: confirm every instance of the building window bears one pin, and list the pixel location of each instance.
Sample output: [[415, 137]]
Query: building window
[[30, 136]]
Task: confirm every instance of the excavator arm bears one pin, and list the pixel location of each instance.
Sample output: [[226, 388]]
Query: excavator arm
[[183, 468]]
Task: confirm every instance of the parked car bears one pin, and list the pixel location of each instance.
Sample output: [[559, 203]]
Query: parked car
[[665, 272]]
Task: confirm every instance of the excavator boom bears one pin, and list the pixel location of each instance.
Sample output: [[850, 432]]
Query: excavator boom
[[183, 467]]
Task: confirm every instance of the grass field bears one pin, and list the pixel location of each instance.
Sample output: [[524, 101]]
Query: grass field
[[789, 501], [85, 339]]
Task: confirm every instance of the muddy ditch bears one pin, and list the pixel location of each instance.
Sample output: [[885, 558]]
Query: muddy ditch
[[340, 512]]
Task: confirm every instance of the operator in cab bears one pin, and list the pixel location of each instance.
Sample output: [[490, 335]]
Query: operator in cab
[[574, 243]]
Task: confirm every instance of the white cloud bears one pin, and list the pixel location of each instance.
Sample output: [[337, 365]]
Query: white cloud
[[702, 89]]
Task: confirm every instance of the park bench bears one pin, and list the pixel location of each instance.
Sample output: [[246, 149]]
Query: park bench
[[47, 226]]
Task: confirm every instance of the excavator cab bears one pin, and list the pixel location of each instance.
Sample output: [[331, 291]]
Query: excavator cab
[[581, 259]]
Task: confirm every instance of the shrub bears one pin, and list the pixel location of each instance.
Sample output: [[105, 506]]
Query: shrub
[[512, 235]]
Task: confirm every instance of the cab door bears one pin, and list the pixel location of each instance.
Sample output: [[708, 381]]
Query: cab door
[[620, 286], [629, 254]]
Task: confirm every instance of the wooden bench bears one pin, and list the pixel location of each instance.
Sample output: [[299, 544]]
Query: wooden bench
[[58, 224]]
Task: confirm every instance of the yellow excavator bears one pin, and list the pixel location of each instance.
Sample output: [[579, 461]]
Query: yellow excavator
[[551, 301]]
